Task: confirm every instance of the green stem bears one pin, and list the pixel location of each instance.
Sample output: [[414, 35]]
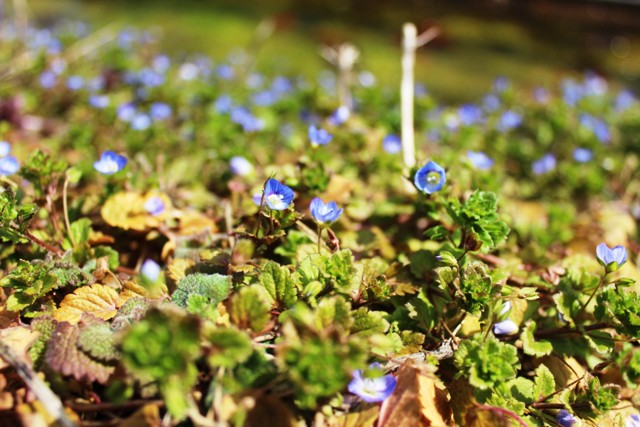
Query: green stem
[[66, 211], [595, 291], [319, 238]]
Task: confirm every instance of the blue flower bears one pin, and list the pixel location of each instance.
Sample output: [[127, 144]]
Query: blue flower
[[480, 160], [150, 270], [5, 148], [223, 104], [372, 390], [9, 165], [277, 195], [392, 144], [126, 111], [633, 421], [154, 205], [582, 155], [611, 258], [509, 120], [75, 83], [340, 116], [319, 136], [248, 121], [47, 79], [159, 111], [469, 114], [506, 327], [99, 101], [430, 178], [240, 166], [140, 121], [566, 418], [624, 100], [545, 164], [110, 163], [324, 213]]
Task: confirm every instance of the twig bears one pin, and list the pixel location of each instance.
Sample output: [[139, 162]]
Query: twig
[[35, 240], [107, 406], [43, 393]]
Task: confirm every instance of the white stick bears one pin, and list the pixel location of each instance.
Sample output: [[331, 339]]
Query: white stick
[[409, 46]]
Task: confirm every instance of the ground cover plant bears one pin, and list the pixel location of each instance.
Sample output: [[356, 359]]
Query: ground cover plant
[[199, 243]]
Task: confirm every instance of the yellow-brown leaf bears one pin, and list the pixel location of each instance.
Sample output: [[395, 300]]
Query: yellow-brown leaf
[[98, 300]]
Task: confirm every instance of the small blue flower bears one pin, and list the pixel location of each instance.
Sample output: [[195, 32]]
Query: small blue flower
[[340, 116], [509, 120], [140, 121], [110, 163], [611, 258], [154, 205], [372, 390], [324, 213], [99, 101], [223, 104], [392, 144], [126, 111], [541, 95], [624, 100], [633, 421], [159, 111], [225, 72], [9, 165], [277, 195], [47, 79], [469, 114], [150, 270], [430, 178], [491, 102], [240, 166], [480, 160], [566, 418], [506, 327], [545, 164], [582, 155], [5, 148], [244, 118], [75, 83], [319, 136]]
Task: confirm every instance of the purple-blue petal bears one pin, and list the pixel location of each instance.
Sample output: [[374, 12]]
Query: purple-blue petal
[[430, 178]]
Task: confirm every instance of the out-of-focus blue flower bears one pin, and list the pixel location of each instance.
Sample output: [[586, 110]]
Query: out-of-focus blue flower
[[248, 121], [150, 270], [319, 136], [541, 95], [47, 79], [223, 104], [9, 165], [611, 258], [188, 71], [150, 78], [99, 101], [392, 144], [420, 90], [225, 71], [599, 128], [501, 84], [159, 111], [5, 148], [110, 163], [506, 327], [126, 112], [75, 83], [594, 85], [161, 63], [624, 100], [254, 80], [277, 196], [582, 155], [324, 213], [469, 114], [281, 85], [509, 120], [633, 421], [491, 102], [572, 92], [480, 160], [376, 389], [366, 79], [240, 166], [96, 84], [430, 178], [264, 98], [257, 198], [545, 164], [140, 121], [340, 116], [566, 418], [154, 205]]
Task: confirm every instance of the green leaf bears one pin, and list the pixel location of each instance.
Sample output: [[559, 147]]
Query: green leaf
[[204, 289], [522, 390], [367, 323], [486, 362], [229, 347], [476, 285], [529, 344], [333, 312], [422, 311], [97, 341], [600, 341], [544, 383], [251, 308], [279, 283]]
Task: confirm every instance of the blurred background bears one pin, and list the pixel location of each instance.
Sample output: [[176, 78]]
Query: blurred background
[[531, 42]]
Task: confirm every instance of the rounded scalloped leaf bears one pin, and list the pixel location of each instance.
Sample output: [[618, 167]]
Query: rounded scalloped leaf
[[97, 341], [98, 300], [127, 210]]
